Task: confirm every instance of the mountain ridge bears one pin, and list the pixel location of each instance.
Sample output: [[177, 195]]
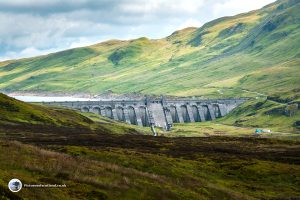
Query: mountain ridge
[[255, 47]]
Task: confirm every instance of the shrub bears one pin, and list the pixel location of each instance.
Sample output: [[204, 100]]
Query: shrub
[[9, 106], [291, 109]]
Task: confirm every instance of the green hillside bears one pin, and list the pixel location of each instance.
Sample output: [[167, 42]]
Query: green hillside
[[251, 54], [266, 114]]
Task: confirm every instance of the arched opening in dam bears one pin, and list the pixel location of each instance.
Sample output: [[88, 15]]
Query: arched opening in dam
[[185, 114], [132, 115], [120, 113], [174, 114], [216, 110], [144, 116], [96, 110], [85, 109], [108, 112], [206, 113], [196, 113]]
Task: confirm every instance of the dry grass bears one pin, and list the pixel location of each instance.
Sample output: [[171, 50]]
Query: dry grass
[[76, 168]]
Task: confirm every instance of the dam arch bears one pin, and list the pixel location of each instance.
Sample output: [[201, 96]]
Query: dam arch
[[206, 113], [96, 110], [216, 110], [85, 109], [120, 113], [185, 114], [196, 113], [144, 116], [132, 115], [174, 114], [108, 112]]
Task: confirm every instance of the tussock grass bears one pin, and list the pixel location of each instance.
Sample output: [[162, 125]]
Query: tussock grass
[[106, 166], [61, 168]]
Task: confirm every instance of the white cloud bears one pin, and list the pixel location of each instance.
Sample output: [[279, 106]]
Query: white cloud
[[23, 30], [231, 7], [191, 23], [156, 6], [81, 42], [27, 52], [33, 27]]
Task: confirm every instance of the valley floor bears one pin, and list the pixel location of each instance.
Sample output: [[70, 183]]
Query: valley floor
[[208, 129]]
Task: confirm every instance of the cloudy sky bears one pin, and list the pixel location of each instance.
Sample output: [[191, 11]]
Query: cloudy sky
[[34, 27]]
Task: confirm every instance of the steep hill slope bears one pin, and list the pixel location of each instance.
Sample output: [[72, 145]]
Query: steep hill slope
[[268, 114], [251, 54]]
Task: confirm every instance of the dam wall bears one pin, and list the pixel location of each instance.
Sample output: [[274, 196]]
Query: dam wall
[[157, 112]]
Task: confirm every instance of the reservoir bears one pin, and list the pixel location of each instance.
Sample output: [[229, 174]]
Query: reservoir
[[50, 98]]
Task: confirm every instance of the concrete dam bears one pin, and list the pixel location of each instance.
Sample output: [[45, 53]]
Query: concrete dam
[[154, 112]]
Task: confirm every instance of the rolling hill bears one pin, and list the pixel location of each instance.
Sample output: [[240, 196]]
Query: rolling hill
[[250, 54]]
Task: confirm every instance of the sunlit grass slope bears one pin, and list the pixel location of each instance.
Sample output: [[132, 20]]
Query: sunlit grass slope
[[251, 54], [266, 114]]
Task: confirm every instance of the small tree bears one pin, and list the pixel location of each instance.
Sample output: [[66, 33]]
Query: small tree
[[291, 109]]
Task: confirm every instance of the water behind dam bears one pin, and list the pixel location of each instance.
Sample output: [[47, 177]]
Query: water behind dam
[[50, 98]]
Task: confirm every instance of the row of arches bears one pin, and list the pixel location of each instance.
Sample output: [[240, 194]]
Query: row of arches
[[139, 115], [199, 113], [127, 114]]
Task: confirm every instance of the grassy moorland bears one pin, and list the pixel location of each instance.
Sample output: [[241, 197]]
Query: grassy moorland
[[210, 129], [251, 54], [143, 167]]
